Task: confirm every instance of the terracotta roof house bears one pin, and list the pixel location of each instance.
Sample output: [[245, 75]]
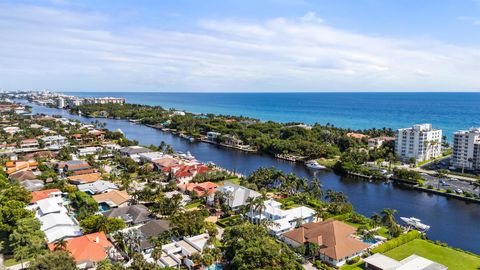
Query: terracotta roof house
[[133, 214], [22, 176], [165, 162], [43, 194], [114, 198], [13, 167], [199, 188], [72, 165], [357, 136], [151, 229], [84, 178], [87, 250], [334, 238]]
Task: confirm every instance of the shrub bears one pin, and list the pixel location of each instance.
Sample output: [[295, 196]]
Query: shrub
[[430, 187], [353, 260], [396, 242], [449, 190]]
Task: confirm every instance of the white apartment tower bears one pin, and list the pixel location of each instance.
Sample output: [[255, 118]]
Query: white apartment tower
[[60, 102], [421, 142], [466, 149]]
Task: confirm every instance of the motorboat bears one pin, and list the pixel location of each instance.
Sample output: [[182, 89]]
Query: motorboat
[[416, 223], [314, 165]]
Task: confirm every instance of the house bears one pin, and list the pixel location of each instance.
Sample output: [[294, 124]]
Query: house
[[44, 194], [150, 229], [72, 166], [13, 167], [11, 130], [284, 220], [84, 178], [87, 151], [165, 162], [185, 173], [88, 250], [99, 186], [237, 195], [133, 150], [32, 185], [200, 189], [56, 223], [379, 141], [381, 262], [114, 198], [133, 214], [179, 252], [213, 136], [334, 238], [22, 176], [151, 156], [356, 136], [97, 134], [55, 142], [29, 144]]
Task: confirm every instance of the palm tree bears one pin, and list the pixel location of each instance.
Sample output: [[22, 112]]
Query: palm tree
[[157, 253], [388, 219], [375, 219], [251, 201], [60, 244]]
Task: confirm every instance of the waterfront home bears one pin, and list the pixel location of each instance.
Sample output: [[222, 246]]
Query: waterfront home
[[381, 262], [419, 142], [79, 179], [334, 238], [88, 250], [114, 198], [213, 136], [132, 215], [152, 228], [185, 173], [283, 220], [165, 162], [55, 220], [99, 186], [237, 196], [151, 156], [55, 142], [133, 150]]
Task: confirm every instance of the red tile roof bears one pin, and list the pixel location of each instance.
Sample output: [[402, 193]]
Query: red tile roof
[[87, 248], [42, 194]]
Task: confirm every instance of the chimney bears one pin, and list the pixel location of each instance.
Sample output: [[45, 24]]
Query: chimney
[[97, 239]]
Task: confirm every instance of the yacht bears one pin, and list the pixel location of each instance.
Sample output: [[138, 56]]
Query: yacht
[[416, 223], [314, 165]]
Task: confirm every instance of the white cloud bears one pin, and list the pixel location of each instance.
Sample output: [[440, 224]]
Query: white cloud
[[77, 50]]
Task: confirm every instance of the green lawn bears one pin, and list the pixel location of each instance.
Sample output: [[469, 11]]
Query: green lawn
[[383, 232], [193, 204], [227, 222], [358, 266], [455, 260], [12, 261]]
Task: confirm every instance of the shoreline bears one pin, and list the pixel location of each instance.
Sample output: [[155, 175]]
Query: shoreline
[[287, 158]]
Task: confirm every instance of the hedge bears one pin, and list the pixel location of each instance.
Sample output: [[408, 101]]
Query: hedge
[[396, 242]]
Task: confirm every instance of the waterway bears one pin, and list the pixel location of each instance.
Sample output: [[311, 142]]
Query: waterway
[[452, 221]]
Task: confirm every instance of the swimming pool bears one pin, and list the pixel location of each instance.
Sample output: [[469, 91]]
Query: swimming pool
[[369, 241], [214, 266], [103, 207]]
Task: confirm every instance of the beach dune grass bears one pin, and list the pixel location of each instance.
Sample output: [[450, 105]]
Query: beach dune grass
[[454, 259]]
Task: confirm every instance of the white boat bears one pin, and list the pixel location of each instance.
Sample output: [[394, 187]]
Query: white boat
[[189, 156], [314, 165], [416, 223]]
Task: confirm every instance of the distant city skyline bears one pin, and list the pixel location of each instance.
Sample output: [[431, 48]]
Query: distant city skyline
[[240, 46]]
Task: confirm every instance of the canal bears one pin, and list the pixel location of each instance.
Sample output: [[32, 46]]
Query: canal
[[452, 221]]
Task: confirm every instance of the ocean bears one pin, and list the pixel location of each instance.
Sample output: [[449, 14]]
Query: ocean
[[447, 111]]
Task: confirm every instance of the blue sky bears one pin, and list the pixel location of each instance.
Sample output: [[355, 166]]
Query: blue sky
[[258, 45]]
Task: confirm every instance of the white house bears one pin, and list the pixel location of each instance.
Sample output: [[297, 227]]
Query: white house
[[284, 220], [237, 195], [97, 187], [55, 142], [56, 223]]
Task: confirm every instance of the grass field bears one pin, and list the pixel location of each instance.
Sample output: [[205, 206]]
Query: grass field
[[455, 260]]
